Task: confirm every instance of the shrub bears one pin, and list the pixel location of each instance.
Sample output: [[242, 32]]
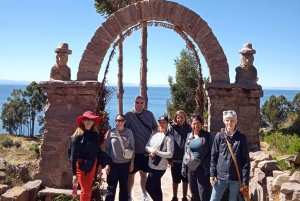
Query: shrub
[[281, 142], [282, 164], [17, 144], [7, 142], [64, 198], [36, 149], [294, 148]]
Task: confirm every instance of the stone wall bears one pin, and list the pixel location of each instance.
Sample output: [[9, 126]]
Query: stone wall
[[269, 183], [244, 100], [66, 101]]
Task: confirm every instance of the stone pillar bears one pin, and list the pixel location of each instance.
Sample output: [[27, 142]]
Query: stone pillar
[[66, 101], [244, 99]]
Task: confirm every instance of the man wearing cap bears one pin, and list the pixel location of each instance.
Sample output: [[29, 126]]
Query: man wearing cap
[[246, 73], [222, 168], [60, 71], [142, 123]]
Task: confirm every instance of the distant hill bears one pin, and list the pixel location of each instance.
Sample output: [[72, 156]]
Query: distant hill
[[14, 82]]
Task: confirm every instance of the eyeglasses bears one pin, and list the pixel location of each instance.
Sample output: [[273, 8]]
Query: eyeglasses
[[137, 102], [89, 120], [229, 111], [120, 120]]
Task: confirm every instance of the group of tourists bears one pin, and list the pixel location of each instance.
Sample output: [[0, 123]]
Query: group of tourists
[[141, 143]]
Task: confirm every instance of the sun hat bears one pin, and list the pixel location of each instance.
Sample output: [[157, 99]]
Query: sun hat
[[163, 118], [247, 49], [231, 114], [90, 115], [63, 48]]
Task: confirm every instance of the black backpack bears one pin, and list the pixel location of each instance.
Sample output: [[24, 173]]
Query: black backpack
[[70, 149]]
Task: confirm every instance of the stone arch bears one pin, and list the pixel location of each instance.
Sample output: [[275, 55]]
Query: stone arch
[[160, 10]]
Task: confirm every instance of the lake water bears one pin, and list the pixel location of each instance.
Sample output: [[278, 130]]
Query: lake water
[[157, 99]]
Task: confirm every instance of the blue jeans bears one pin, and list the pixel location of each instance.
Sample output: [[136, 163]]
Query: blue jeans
[[219, 188]]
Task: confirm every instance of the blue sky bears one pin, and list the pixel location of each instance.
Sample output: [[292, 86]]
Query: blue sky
[[31, 30]]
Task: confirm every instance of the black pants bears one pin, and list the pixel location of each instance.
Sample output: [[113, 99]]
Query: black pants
[[118, 173], [199, 184], [153, 184]]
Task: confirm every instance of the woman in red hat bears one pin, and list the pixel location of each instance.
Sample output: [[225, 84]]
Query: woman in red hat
[[84, 150]]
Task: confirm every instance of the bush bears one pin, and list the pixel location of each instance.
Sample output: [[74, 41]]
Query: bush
[[17, 144], [36, 149], [294, 148], [7, 142], [64, 198], [282, 143], [282, 164]]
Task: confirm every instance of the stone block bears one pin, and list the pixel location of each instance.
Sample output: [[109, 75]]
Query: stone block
[[2, 166], [268, 165], [296, 196], [53, 192], [287, 188], [3, 188], [33, 188], [120, 20], [15, 194], [279, 180], [2, 176], [93, 57], [270, 189], [259, 156], [200, 37], [276, 173], [295, 177], [103, 35]]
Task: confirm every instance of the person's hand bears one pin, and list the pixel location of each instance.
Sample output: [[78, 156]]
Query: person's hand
[[107, 169], [171, 163], [183, 172], [99, 169], [75, 180], [213, 180], [131, 166], [153, 153]]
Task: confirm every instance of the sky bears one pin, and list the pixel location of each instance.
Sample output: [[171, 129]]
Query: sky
[[30, 31]]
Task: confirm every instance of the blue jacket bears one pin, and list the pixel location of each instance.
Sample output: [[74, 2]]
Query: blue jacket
[[222, 165]]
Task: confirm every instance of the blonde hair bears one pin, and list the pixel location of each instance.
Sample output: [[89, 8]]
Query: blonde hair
[[176, 114], [80, 130]]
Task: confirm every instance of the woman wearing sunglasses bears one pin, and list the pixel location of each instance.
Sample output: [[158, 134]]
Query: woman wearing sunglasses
[[196, 160], [85, 146], [118, 140], [222, 170]]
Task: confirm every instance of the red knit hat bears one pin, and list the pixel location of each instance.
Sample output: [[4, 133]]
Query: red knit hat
[[90, 115]]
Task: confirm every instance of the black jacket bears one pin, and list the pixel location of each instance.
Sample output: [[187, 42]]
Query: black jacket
[[180, 134], [222, 165]]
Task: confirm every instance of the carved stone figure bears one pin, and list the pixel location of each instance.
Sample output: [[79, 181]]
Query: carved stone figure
[[246, 73], [60, 71]]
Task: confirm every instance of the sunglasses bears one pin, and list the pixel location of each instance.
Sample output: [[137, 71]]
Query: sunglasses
[[229, 111], [89, 120], [137, 102], [120, 120]]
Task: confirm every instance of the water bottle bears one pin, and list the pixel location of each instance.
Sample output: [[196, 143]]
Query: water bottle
[[75, 187]]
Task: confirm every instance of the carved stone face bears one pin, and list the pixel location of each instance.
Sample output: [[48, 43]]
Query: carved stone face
[[61, 59], [247, 60]]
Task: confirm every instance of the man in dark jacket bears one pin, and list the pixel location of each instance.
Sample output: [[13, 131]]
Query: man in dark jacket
[[222, 169]]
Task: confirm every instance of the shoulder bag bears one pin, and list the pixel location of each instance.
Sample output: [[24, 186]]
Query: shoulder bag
[[156, 159], [127, 153], [243, 189]]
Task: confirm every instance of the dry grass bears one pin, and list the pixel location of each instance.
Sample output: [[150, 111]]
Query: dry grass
[[21, 154]]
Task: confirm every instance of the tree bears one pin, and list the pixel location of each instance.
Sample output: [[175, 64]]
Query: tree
[[14, 113], [296, 103], [184, 89], [37, 100], [275, 110]]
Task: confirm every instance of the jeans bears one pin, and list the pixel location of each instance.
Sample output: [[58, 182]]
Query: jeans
[[153, 184], [199, 184], [221, 185], [118, 173]]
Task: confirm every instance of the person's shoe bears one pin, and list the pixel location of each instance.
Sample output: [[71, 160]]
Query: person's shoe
[[174, 199], [145, 198], [130, 198], [184, 199]]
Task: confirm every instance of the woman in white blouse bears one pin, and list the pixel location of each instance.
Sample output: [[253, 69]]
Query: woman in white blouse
[[160, 146]]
